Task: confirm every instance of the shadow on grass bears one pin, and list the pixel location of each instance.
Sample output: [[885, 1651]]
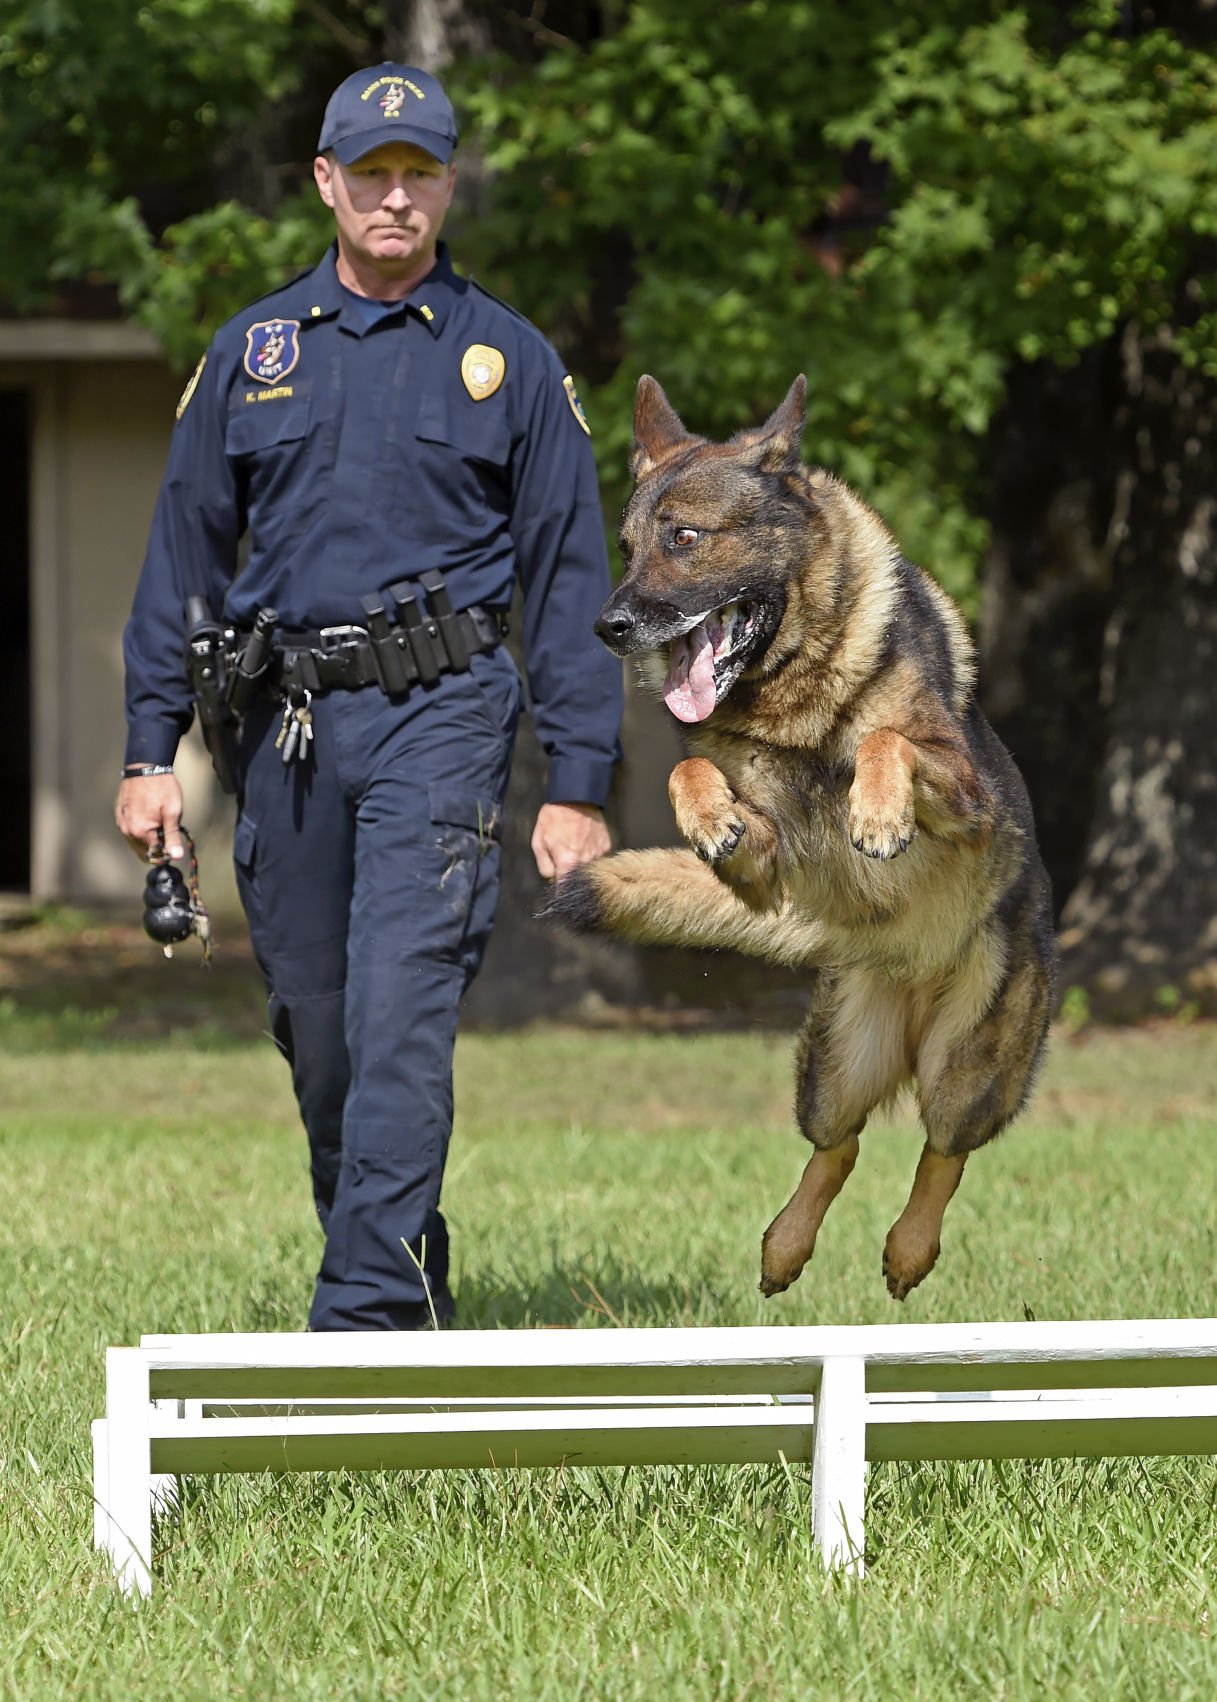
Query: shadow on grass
[[596, 1292], [600, 1291]]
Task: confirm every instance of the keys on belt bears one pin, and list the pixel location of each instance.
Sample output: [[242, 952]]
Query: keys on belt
[[296, 733]]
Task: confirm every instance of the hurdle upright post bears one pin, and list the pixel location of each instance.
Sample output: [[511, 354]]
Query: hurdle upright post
[[128, 1470], [838, 1465]]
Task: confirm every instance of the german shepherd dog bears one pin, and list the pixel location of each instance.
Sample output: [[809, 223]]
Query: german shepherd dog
[[846, 806]]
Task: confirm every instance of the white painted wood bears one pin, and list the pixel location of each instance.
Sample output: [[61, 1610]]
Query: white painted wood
[[1122, 1421], [485, 1403], [101, 1485], [165, 1487], [128, 1467], [615, 1397], [838, 1471], [647, 1436], [768, 1359]]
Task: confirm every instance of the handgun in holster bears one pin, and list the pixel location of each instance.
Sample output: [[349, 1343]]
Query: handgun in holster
[[207, 661]]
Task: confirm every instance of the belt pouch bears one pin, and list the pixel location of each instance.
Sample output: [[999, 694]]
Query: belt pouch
[[391, 670], [417, 635], [440, 605]]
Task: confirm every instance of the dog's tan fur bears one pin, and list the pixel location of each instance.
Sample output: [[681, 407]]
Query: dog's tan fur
[[848, 809]]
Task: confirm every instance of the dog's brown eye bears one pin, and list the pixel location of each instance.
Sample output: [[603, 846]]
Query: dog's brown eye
[[686, 535]]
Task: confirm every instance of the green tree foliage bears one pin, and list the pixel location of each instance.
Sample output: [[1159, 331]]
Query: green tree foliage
[[902, 200], [1044, 176], [116, 119]]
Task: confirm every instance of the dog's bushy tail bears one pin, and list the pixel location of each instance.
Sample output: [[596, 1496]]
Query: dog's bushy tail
[[671, 898]]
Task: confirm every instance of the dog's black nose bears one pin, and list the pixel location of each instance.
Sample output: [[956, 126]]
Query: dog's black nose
[[614, 626]]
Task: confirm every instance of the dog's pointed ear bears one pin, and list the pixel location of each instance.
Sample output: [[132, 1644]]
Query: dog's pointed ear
[[777, 446], [658, 431]]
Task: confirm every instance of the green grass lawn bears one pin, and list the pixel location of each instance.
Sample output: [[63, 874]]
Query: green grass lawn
[[596, 1180]]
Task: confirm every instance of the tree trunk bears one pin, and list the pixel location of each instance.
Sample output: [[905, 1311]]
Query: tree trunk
[[1047, 590], [431, 33], [1099, 655], [1140, 928]]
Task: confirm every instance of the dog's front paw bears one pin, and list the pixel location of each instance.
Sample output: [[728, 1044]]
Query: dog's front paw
[[717, 839], [878, 830], [737, 842], [742, 859], [709, 816]]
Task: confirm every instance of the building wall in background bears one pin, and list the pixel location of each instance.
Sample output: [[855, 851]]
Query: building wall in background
[[102, 409]]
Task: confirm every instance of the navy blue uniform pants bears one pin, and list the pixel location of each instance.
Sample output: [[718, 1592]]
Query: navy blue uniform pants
[[369, 875]]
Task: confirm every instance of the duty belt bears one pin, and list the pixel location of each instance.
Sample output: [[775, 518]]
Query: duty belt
[[421, 644], [344, 658]]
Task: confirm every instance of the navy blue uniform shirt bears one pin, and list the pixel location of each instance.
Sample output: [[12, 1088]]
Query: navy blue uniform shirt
[[355, 454]]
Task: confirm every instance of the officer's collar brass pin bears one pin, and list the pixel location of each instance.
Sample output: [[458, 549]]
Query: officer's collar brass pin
[[482, 369], [272, 348], [576, 406]]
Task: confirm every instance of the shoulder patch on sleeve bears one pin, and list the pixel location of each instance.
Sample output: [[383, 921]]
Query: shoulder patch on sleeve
[[191, 386], [576, 406]]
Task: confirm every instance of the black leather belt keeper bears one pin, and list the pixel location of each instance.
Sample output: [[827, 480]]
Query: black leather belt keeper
[[414, 648]]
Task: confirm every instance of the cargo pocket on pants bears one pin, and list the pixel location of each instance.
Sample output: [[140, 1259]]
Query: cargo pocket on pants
[[244, 844], [244, 862]]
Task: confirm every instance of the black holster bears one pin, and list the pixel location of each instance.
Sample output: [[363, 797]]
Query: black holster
[[207, 660]]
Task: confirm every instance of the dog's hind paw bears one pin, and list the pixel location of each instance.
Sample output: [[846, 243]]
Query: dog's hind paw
[[905, 1267], [784, 1252]]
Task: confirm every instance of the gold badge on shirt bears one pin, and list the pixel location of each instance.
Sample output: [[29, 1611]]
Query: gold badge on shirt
[[482, 370]]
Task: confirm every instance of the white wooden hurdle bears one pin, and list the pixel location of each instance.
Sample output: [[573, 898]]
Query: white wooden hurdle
[[834, 1396]]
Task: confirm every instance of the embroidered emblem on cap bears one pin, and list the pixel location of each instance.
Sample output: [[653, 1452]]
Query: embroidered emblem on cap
[[191, 386], [272, 348], [482, 369], [395, 90], [576, 406]]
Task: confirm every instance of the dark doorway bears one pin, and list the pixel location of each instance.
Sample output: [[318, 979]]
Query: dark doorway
[[15, 714]]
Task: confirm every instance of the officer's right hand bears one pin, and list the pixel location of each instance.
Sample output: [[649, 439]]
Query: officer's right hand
[[146, 809]]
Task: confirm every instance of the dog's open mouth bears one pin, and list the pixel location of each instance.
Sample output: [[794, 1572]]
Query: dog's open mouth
[[705, 662]]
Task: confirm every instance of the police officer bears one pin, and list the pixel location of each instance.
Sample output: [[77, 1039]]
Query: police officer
[[400, 447]]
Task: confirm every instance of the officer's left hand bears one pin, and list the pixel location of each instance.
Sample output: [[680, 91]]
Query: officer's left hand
[[567, 835]]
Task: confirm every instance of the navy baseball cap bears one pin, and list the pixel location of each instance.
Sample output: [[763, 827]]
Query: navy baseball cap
[[388, 103]]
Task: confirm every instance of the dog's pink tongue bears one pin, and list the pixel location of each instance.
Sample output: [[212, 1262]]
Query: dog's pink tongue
[[689, 690]]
